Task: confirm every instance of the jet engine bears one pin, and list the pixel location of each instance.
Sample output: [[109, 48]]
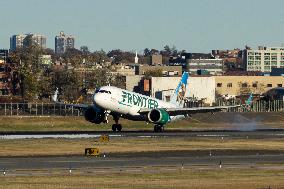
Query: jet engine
[[94, 115], [158, 116]]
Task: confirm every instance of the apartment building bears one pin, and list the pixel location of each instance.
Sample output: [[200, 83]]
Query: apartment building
[[17, 41], [63, 42], [264, 59], [24, 40]]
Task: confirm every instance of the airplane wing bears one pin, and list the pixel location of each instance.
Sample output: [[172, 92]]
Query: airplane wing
[[77, 106], [183, 111]]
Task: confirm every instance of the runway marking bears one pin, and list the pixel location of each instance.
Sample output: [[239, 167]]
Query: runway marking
[[213, 135], [276, 134]]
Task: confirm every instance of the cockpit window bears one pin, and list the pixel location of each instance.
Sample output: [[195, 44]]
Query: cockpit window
[[102, 91], [97, 90]]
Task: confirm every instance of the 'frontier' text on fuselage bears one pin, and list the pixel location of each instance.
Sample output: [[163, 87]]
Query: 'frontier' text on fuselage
[[130, 99]]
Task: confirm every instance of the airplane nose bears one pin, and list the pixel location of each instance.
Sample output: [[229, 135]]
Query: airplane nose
[[98, 99]]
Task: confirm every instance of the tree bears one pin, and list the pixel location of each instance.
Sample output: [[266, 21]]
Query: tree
[[84, 50], [28, 69], [147, 52], [99, 57], [68, 82], [73, 56], [97, 78], [118, 81], [45, 89], [167, 51], [154, 51], [120, 56], [182, 51], [174, 51]]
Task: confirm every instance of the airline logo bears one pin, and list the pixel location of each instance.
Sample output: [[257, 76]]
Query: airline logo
[[131, 99], [181, 90]]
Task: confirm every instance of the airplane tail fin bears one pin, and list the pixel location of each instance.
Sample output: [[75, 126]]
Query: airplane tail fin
[[248, 102], [179, 94]]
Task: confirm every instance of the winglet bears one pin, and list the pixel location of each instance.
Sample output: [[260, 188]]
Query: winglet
[[249, 100]]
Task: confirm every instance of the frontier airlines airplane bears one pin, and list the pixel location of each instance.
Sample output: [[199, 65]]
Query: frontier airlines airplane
[[109, 100]]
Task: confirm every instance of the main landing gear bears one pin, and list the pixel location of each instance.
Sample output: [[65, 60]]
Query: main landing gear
[[158, 128], [116, 126]]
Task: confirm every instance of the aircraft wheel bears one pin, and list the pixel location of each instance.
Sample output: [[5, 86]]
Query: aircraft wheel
[[158, 128], [155, 128], [114, 127], [119, 127]]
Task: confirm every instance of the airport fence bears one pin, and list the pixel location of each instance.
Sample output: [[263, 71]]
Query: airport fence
[[257, 106], [51, 109]]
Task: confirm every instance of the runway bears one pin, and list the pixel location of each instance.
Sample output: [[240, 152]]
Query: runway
[[125, 161], [254, 134], [187, 159]]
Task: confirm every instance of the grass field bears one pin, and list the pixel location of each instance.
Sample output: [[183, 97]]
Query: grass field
[[194, 178], [80, 124], [198, 122], [33, 147]]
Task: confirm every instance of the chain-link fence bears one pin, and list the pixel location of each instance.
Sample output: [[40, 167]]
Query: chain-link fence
[[257, 106], [38, 109], [51, 109]]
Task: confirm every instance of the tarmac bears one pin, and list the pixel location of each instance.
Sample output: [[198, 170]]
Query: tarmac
[[216, 159], [140, 161]]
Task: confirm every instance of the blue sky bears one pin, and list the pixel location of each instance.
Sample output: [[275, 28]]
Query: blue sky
[[196, 26]]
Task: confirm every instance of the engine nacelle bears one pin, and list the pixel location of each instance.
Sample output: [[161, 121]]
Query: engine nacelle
[[158, 116], [93, 115]]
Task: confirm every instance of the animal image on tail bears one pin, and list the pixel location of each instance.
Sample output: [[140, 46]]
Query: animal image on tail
[[180, 92]]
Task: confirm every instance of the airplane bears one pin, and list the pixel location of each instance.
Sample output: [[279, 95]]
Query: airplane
[[121, 103]]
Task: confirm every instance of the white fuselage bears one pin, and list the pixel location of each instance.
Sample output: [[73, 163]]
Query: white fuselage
[[126, 102]]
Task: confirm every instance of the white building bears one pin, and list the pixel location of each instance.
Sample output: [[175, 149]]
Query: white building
[[210, 66], [264, 59], [199, 88]]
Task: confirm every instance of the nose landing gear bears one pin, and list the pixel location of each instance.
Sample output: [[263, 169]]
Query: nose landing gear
[[106, 117]]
